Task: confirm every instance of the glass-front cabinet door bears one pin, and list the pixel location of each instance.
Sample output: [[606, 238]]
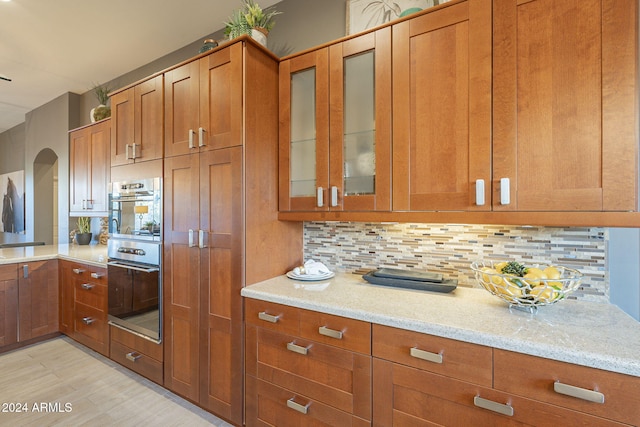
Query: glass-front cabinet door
[[335, 132]]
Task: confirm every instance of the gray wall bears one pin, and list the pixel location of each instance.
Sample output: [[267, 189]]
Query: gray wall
[[624, 269]]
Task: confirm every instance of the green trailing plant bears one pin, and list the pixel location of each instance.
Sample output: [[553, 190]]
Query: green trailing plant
[[84, 224]]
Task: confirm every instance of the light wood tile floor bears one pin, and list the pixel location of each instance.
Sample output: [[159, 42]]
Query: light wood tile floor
[[80, 387]]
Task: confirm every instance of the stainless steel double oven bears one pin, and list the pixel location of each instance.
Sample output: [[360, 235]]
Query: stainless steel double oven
[[135, 257]]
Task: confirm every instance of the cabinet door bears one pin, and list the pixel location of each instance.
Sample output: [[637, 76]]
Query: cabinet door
[[181, 280], [566, 118], [221, 263], [181, 106], [123, 131], [66, 287], [89, 168], [148, 97], [37, 299], [360, 123], [442, 108], [221, 109], [8, 304], [304, 132]]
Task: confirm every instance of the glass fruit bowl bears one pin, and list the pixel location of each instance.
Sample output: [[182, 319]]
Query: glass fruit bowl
[[526, 286]]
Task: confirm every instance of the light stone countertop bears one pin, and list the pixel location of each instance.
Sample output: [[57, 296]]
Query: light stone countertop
[[584, 333], [89, 254]]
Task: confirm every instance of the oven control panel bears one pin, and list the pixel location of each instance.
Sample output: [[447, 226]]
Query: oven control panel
[[131, 251]]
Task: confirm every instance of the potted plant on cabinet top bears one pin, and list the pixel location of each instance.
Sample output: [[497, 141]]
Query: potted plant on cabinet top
[[83, 235], [253, 20], [101, 111]]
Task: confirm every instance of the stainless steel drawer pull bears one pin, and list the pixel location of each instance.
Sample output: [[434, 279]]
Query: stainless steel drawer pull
[[297, 348], [78, 270], [500, 408], [268, 317], [580, 393], [303, 409], [133, 356], [97, 275], [426, 355], [87, 320], [332, 333], [87, 286]]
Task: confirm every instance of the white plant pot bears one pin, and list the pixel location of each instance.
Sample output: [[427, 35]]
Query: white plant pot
[[259, 36]]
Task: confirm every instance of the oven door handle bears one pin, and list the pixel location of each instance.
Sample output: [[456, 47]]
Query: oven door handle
[[133, 267]]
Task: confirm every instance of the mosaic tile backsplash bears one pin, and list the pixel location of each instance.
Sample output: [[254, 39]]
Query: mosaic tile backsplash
[[450, 249]]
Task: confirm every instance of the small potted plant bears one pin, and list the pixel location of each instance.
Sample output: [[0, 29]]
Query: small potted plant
[[102, 111], [253, 20], [83, 235]]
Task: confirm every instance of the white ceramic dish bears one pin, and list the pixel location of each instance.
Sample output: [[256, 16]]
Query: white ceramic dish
[[309, 277]]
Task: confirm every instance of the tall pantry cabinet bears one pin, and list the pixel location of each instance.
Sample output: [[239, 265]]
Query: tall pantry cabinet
[[221, 229]]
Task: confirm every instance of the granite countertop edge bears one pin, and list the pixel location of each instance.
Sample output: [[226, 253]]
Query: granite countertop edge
[[94, 254], [567, 341]]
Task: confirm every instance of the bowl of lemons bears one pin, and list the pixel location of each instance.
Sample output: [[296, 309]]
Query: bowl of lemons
[[528, 286]]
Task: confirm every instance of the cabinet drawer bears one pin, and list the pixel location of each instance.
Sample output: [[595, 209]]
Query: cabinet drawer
[[91, 294], [408, 396], [536, 377], [336, 377], [137, 343], [137, 361], [90, 322], [273, 316], [269, 405], [89, 273], [338, 331], [452, 358]]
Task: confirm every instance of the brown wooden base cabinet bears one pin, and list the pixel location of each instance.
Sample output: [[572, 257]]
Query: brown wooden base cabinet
[[420, 379], [83, 304], [305, 368], [8, 305]]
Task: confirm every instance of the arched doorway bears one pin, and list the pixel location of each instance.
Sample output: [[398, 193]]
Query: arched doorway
[[45, 205]]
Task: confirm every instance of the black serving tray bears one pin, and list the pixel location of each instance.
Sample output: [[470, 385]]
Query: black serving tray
[[447, 285], [396, 273]]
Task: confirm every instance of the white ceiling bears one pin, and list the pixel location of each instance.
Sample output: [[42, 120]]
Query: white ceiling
[[50, 47]]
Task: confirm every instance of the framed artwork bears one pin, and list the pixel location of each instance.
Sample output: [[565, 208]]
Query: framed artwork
[[364, 14], [12, 190]]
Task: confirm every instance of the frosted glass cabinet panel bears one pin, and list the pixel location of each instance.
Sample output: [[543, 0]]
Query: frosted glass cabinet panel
[[335, 126]]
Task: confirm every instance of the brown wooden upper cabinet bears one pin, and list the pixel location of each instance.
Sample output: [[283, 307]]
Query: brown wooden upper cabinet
[[335, 126], [89, 169], [442, 109], [203, 103], [137, 123], [565, 105]]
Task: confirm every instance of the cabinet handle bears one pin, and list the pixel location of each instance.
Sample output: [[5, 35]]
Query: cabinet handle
[[191, 134], [505, 194], [268, 317], [87, 286], [291, 346], [78, 270], [201, 244], [320, 197], [25, 271], [334, 196], [500, 408], [134, 151], [303, 409], [201, 132], [332, 333], [426, 355], [133, 356], [126, 151], [97, 275], [87, 320], [480, 192], [578, 392], [191, 244]]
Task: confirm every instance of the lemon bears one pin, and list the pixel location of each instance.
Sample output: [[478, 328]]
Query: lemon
[[552, 272], [499, 266], [544, 293]]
